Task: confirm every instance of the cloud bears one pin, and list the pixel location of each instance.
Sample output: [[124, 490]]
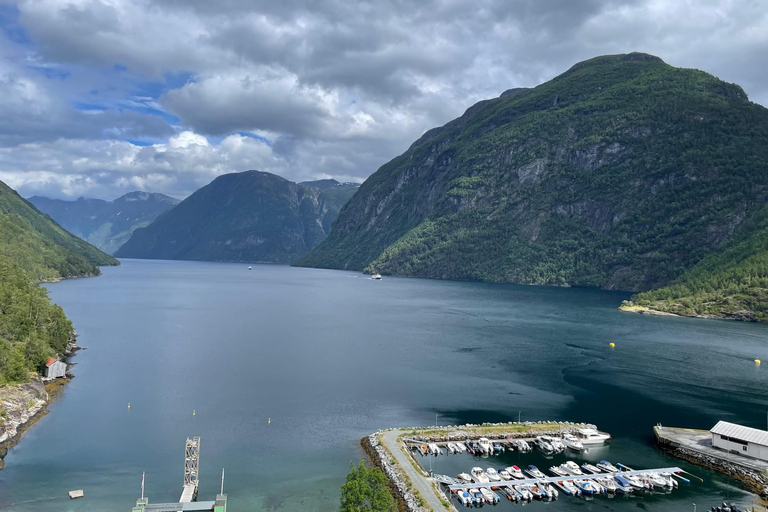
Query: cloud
[[303, 88]]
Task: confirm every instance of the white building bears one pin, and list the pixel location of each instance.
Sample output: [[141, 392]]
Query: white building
[[54, 368], [751, 442]]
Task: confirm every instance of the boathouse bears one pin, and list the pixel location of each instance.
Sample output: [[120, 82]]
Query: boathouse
[[734, 438], [54, 368]]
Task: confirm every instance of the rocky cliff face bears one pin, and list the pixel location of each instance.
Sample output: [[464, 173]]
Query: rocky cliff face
[[251, 216], [18, 405], [620, 173]]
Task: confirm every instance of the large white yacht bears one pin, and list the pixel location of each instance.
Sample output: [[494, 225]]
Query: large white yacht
[[590, 436]]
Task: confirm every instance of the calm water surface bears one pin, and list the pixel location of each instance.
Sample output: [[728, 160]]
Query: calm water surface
[[331, 356]]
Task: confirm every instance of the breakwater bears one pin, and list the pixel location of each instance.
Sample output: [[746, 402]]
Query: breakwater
[[695, 447]]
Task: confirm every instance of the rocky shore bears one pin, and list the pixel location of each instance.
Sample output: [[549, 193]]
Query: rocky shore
[[22, 404], [401, 489]]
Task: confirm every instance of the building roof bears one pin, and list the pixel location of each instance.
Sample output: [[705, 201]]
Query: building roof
[[51, 360], [751, 435]]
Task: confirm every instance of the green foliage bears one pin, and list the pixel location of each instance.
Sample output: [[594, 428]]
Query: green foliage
[[31, 327], [40, 246], [621, 173], [730, 283], [366, 489]]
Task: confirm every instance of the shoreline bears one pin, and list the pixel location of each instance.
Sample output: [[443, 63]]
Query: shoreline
[[24, 404]]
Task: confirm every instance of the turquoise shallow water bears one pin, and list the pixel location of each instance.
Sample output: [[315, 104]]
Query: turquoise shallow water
[[330, 356]]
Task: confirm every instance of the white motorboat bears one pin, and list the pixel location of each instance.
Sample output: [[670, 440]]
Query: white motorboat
[[590, 436], [479, 476], [555, 442], [657, 481], [569, 486], [524, 492], [465, 477], [515, 472], [587, 487], [376, 276], [535, 472], [607, 467], [635, 482], [589, 468], [485, 445], [558, 471], [465, 498], [460, 448], [572, 468], [521, 445], [493, 475], [670, 479], [489, 496], [504, 474], [572, 443], [548, 488], [544, 445], [608, 483], [434, 449], [451, 447]]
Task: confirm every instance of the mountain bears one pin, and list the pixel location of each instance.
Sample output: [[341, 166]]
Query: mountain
[[730, 283], [105, 224], [251, 216], [39, 246], [621, 173]]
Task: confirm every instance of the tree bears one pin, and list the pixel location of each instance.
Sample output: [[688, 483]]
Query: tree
[[366, 489]]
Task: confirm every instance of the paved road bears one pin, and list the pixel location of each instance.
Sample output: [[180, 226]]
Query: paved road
[[423, 484]]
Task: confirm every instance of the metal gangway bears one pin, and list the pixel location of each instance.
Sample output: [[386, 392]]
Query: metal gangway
[[191, 469]]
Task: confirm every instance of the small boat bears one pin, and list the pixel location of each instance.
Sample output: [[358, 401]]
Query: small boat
[[464, 477], [633, 481], [589, 468], [376, 276], [464, 497], [590, 436], [249, 268], [434, 449], [524, 492], [586, 487], [515, 472], [548, 488], [504, 474], [535, 491], [450, 448], [570, 487], [520, 444], [572, 443], [477, 497], [622, 484], [558, 471], [670, 480], [497, 447], [73, 495], [544, 445], [479, 476], [535, 472], [572, 468], [493, 475], [608, 483], [607, 467], [489, 496], [555, 442], [485, 445], [516, 495], [460, 448], [657, 481], [424, 450]]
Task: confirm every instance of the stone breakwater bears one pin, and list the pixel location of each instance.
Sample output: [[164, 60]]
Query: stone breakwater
[[496, 431], [401, 488], [752, 479]]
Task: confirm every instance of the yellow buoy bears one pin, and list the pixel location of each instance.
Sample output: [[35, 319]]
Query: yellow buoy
[[757, 361], [269, 420], [612, 344], [193, 412]]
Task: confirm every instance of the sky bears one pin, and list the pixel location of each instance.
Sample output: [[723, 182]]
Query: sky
[[103, 97]]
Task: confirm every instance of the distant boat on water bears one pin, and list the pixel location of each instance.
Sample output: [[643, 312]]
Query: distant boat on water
[[376, 276]]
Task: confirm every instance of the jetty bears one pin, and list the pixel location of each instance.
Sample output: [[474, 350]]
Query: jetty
[[188, 500]]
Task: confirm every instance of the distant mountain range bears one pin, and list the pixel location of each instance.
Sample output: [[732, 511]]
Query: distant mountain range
[[105, 224], [622, 173], [39, 246], [251, 216]]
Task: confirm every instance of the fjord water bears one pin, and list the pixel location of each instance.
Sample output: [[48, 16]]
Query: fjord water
[[286, 369]]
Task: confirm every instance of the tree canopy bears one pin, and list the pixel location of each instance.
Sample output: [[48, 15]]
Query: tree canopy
[[366, 489]]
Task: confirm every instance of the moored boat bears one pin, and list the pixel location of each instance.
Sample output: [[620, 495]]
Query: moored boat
[[607, 467], [572, 443], [485, 445], [464, 477], [591, 436], [534, 472], [572, 468], [515, 472], [504, 474], [589, 468], [479, 476], [558, 471], [493, 475]]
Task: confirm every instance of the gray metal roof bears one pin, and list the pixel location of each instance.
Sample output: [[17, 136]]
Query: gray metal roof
[[751, 435]]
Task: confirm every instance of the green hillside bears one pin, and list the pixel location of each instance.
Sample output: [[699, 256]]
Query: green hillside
[[41, 247], [729, 283], [250, 216], [621, 173], [31, 327]]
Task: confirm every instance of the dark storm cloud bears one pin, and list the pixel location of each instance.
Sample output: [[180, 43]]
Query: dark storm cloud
[[335, 88]]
